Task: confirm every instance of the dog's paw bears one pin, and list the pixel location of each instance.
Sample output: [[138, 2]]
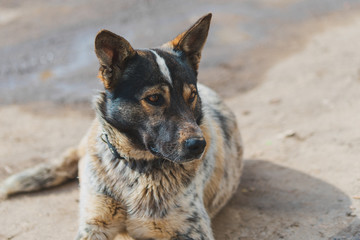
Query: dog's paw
[[89, 234], [92, 237]]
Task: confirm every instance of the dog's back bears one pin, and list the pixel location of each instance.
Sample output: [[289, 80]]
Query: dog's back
[[225, 147]]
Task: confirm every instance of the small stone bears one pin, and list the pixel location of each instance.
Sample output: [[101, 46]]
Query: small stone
[[350, 214], [275, 101], [246, 112], [244, 190], [295, 224]]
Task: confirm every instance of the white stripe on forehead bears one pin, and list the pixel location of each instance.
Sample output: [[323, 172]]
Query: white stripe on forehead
[[162, 66]]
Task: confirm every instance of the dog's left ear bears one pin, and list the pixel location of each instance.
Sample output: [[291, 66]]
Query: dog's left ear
[[192, 41], [113, 53]]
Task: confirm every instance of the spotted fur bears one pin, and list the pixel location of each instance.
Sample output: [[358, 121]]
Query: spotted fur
[[178, 150]]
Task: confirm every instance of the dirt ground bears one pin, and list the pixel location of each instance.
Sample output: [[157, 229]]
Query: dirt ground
[[290, 70]]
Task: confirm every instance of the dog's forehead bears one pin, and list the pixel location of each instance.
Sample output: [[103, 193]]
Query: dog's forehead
[[168, 67]]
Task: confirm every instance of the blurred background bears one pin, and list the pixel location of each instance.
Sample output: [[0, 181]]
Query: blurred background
[[47, 52], [290, 69]]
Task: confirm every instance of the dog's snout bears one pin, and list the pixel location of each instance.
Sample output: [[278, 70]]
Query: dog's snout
[[195, 146]]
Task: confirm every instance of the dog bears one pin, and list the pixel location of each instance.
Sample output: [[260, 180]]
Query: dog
[[162, 156]]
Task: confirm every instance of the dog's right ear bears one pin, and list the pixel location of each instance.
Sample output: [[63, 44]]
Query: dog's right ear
[[113, 52], [191, 42]]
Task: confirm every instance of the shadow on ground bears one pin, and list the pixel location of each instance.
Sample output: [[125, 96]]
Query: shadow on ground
[[275, 202]]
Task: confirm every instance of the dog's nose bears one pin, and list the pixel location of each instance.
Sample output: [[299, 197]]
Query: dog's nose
[[195, 146]]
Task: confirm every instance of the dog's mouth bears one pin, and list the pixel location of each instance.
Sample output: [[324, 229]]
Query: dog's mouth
[[154, 150], [157, 153]]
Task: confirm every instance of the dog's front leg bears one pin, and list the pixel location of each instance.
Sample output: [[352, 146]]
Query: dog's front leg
[[197, 226], [101, 217]]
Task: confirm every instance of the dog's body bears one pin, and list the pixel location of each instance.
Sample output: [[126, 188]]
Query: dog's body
[[158, 161]]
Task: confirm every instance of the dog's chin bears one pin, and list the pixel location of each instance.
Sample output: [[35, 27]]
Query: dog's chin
[[179, 159], [191, 158], [185, 160]]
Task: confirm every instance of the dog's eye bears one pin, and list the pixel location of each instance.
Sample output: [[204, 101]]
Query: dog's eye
[[155, 99], [192, 96]]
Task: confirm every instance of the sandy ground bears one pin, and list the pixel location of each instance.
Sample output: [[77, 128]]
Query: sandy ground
[[294, 86]]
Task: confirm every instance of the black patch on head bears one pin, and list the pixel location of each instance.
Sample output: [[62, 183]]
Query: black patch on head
[[179, 69]]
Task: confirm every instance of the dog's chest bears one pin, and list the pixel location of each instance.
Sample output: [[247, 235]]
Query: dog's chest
[[147, 189]]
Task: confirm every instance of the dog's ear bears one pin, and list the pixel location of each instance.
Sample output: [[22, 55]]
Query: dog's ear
[[192, 41], [113, 52]]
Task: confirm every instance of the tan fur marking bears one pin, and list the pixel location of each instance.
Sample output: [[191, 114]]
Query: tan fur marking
[[147, 107], [107, 83], [187, 91], [175, 42]]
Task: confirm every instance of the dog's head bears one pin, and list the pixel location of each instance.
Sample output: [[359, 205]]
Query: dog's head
[[151, 95]]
